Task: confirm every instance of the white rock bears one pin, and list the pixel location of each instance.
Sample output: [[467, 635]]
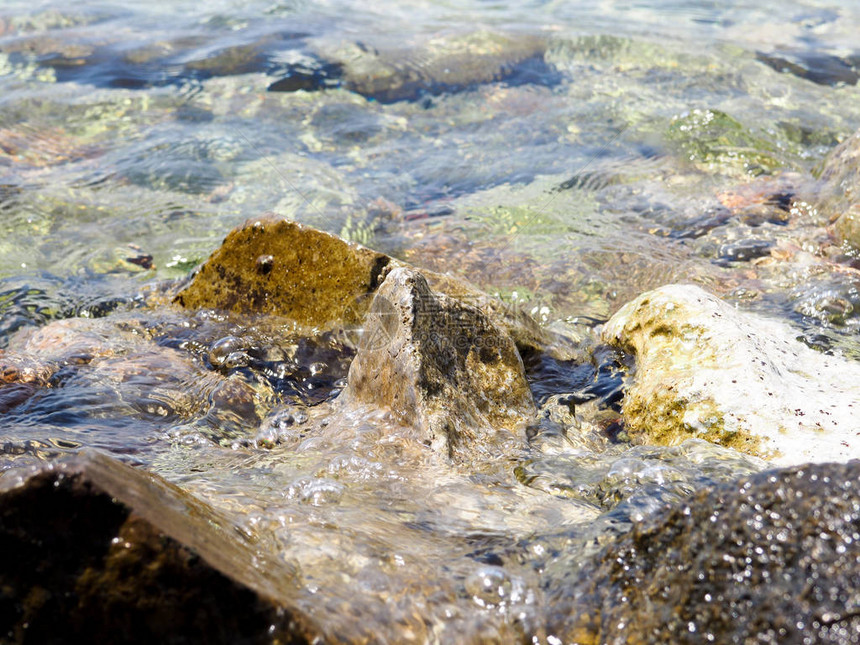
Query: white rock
[[705, 369]]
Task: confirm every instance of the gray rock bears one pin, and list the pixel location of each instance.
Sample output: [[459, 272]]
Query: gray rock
[[772, 558], [707, 370], [442, 366], [444, 63]]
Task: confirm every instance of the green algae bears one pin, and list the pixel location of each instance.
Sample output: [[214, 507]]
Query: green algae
[[716, 142]]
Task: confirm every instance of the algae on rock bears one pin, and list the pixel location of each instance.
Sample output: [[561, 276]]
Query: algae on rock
[[840, 194], [270, 265], [706, 370]]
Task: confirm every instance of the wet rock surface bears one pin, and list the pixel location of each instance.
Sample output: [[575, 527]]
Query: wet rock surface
[[704, 369], [274, 266], [820, 68], [564, 180], [443, 366], [104, 552], [270, 265], [773, 558]]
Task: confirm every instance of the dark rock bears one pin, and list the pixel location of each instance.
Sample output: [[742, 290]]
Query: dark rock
[[273, 266], [820, 68], [744, 250], [444, 64], [443, 366], [310, 75], [97, 551], [773, 558]]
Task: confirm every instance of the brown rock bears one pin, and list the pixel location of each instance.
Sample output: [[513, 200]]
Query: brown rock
[[273, 266], [443, 366], [270, 265], [98, 551], [441, 64]]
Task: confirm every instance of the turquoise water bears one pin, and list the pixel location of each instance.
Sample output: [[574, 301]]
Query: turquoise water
[[579, 155]]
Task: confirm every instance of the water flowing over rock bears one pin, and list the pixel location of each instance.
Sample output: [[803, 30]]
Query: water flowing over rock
[[773, 558], [704, 369], [840, 194], [98, 551], [441, 365]]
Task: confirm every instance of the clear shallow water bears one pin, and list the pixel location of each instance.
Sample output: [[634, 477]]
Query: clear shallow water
[[655, 142]]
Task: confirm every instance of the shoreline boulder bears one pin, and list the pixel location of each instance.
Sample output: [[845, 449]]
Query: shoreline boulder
[[707, 370], [839, 198], [274, 266], [98, 551], [442, 366], [771, 558]]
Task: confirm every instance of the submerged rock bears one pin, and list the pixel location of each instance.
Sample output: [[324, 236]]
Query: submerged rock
[[270, 265], [716, 142], [840, 193], [773, 558], [442, 64], [706, 370], [104, 553], [443, 366], [820, 68]]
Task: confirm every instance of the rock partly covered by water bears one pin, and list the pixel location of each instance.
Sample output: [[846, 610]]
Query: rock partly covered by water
[[97, 551], [773, 558], [274, 266], [840, 193], [706, 370], [443, 366]]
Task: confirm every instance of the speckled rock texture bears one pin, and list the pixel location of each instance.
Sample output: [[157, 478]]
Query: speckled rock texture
[[271, 265], [443, 366], [707, 370], [770, 559], [99, 552]]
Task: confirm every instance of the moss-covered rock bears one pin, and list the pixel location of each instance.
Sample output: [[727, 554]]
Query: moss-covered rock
[[716, 142], [706, 370], [839, 199], [270, 265]]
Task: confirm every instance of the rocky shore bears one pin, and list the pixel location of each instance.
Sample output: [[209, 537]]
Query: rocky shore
[[437, 382]]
